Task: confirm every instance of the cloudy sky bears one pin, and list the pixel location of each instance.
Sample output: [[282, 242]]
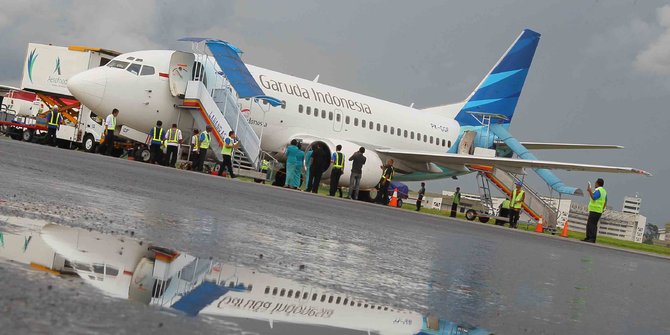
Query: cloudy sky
[[601, 73]]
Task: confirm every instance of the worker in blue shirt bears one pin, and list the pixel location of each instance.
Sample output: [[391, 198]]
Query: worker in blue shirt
[[54, 119], [154, 141]]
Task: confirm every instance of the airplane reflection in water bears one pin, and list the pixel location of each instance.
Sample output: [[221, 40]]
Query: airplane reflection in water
[[124, 267]]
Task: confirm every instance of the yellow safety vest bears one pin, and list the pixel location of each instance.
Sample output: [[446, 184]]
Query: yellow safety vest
[[390, 176], [197, 142], [264, 165], [516, 199], [113, 126], [598, 205], [173, 135], [339, 160], [505, 204], [53, 120], [205, 144], [160, 134], [227, 151]]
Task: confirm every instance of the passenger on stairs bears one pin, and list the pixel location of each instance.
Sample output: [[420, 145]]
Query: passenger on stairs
[[154, 140], [229, 145], [174, 140]]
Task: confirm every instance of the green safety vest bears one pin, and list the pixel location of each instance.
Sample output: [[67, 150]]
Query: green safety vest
[[339, 160], [113, 126], [227, 151], [505, 204], [457, 198], [598, 206], [197, 141], [53, 120], [516, 199], [205, 144], [173, 135], [157, 135], [265, 165], [390, 176]]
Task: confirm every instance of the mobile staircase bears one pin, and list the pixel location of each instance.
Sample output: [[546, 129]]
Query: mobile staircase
[[218, 107]]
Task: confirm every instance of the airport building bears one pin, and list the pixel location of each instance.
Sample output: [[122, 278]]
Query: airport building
[[627, 224]]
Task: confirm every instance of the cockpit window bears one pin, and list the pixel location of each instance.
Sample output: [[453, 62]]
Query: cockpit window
[[147, 70], [134, 68], [119, 64], [130, 58]]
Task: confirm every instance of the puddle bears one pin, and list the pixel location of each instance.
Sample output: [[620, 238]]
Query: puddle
[[122, 267]]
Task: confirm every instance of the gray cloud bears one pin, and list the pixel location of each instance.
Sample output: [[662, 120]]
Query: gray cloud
[[655, 58]]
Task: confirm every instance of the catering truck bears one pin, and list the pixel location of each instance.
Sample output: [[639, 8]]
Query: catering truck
[[46, 71]]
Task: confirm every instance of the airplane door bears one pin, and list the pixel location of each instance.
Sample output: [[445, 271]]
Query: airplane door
[[467, 144], [338, 120], [181, 71]]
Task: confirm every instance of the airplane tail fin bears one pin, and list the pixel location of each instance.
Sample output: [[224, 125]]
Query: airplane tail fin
[[498, 93]]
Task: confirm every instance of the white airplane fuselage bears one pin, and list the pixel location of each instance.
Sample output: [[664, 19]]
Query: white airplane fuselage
[[312, 110]]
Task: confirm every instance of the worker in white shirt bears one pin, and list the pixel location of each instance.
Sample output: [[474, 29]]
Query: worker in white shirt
[[195, 148], [110, 127], [174, 140]]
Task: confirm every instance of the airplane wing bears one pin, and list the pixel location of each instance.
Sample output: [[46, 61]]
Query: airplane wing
[[550, 146], [509, 164]]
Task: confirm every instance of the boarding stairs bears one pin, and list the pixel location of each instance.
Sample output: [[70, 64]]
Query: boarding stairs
[[534, 205], [221, 110]]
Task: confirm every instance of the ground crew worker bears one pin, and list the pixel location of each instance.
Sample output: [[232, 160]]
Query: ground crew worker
[[384, 180], [229, 145], [308, 165], [422, 192], [205, 141], [597, 204], [455, 202], [503, 212], [357, 162], [154, 141], [195, 148], [174, 139], [110, 127], [265, 168], [55, 119], [337, 159], [318, 165], [518, 196]]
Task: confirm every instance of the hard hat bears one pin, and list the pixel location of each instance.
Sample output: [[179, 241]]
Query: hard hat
[[518, 183]]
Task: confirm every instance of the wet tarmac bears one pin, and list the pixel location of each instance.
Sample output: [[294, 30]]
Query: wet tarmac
[[509, 282]]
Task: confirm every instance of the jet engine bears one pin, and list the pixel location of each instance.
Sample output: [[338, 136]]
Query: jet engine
[[371, 170]]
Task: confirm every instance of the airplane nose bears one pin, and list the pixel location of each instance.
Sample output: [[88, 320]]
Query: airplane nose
[[89, 87]]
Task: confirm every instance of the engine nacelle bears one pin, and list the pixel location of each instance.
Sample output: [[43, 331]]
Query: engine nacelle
[[371, 171]]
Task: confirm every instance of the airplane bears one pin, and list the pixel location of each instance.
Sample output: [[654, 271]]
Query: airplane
[[127, 268], [431, 143]]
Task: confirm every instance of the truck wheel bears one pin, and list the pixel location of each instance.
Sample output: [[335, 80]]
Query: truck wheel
[[89, 143], [471, 214], [27, 135], [143, 155], [484, 219]]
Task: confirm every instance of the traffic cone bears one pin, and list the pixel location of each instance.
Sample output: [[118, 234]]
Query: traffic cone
[[538, 226], [565, 229], [394, 198]]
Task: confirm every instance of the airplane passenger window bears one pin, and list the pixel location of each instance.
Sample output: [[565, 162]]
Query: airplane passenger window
[[363, 123], [130, 58], [323, 297], [282, 292], [297, 294], [316, 112], [405, 133], [337, 301], [309, 110], [267, 289], [359, 305], [338, 117], [372, 126], [399, 133], [355, 121], [412, 135], [147, 70], [379, 127], [305, 295], [290, 294], [351, 303], [431, 140], [345, 302], [347, 119], [330, 300], [274, 291], [283, 104], [314, 296], [418, 136], [118, 64], [392, 130], [299, 108], [425, 138], [250, 287], [134, 69], [449, 144], [111, 271], [385, 128], [443, 142], [323, 114], [138, 59]]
